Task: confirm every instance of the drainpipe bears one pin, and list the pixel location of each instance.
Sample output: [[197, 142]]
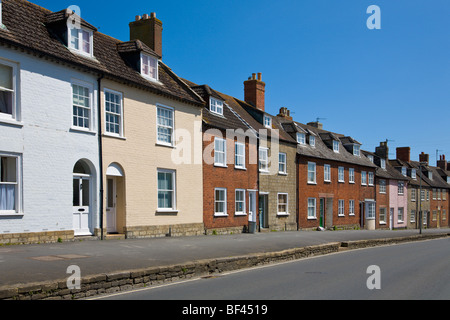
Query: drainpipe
[[100, 151]]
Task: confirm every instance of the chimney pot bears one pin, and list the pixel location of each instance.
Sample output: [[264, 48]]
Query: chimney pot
[[259, 76], [254, 92], [138, 18], [153, 14], [145, 16], [149, 31]]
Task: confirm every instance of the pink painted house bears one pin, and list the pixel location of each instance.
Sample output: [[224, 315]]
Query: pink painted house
[[398, 203]]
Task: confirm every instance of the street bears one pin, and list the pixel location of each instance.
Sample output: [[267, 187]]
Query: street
[[418, 270]]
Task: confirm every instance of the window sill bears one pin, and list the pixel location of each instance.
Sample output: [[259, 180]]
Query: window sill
[[11, 121], [164, 145], [341, 215], [312, 218], [81, 130], [351, 214], [109, 135], [220, 215], [282, 173], [240, 168], [311, 182], [240, 214], [220, 165], [282, 214], [166, 211], [10, 214]]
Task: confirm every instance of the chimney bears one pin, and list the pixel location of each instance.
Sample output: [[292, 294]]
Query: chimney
[[404, 154], [316, 124], [442, 163], [382, 151], [423, 157], [254, 91], [148, 29], [285, 113]]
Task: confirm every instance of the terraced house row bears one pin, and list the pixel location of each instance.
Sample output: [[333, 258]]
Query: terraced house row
[[99, 137]]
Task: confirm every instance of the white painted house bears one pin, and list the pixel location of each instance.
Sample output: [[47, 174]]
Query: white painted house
[[49, 145]]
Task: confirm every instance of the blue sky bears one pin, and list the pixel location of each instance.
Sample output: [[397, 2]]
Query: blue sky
[[318, 58]]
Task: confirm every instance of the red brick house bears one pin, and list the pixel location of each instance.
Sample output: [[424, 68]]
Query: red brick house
[[335, 181], [230, 167]]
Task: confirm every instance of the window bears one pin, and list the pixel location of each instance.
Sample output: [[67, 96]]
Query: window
[[282, 203], [149, 67], [413, 174], [81, 40], [282, 163], [383, 164], [351, 175], [370, 157], [219, 152], [216, 106], [341, 174], [412, 217], [383, 215], [311, 208], [444, 194], [434, 194], [239, 155], [444, 214], [166, 190], [404, 171], [341, 205], [370, 178], [356, 149], [363, 177], [430, 175], [239, 202], [413, 194], [335, 146], [428, 195], [164, 125], [113, 113], [382, 186], [9, 184], [448, 179], [220, 201], [422, 195], [439, 194], [263, 159], [311, 172], [8, 91], [312, 141], [267, 121], [400, 214], [351, 207], [327, 173], [371, 210], [81, 106], [401, 187], [301, 138]]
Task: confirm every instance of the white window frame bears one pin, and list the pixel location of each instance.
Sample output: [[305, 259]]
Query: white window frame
[[371, 210], [224, 201], [220, 142], [301, 138], [412, 215], [351, 175], [356, 150], [263, 159], [336, 146], [312, 141], [80, 41], [363, 178], [413, 195], [236, 212], [382, 184], [114, 114], [414, 174], [312, 172], [90, 109], [267, 121], [383, 164], [147, 75], [351, 207], [312, 207], [216, 106], [327, 173], [174, 191], [163, 126], [341, 174], [17, 184], [239, 157], [281, 163], [400, 188], [404, 171], [282, 213], [382, 216], [400, 214], [370, 177], [341, 207], [15, 110]]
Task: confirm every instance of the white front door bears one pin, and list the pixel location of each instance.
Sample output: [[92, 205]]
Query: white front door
[[81, 205], [111, 205], [252, 206]]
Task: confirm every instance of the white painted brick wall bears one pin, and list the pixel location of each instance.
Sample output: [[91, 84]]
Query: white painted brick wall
[[48, 146]]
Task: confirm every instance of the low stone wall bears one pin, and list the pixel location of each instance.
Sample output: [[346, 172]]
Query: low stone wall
[[36, 237], [227, 230], [358, 244], [190, 229]]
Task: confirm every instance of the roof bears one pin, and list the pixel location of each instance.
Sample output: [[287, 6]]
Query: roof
[[29, 27], [323, 148], [389, 172], [436, 181]]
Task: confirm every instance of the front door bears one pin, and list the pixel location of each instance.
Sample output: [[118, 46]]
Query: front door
[[322, 211], [263, 214], [391, 218], [81, 205], [111, 205]]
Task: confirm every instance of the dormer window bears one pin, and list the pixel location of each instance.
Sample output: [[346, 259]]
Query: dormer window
[[448, 179], [81, 40], [430, 175], [404, 171], [301, 138], [267, 121], [356, 149], [149, 67], [312, 141], [383, 164], [336, 146], [413, 174], [215, 106], [370, 157]]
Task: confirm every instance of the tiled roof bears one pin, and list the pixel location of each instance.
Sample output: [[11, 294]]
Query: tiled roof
[[389, 172], [27, 27]]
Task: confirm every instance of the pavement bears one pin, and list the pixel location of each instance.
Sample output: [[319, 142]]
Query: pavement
[[22, 264]]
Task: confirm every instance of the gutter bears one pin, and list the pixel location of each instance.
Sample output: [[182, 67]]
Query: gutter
[[100, 152]]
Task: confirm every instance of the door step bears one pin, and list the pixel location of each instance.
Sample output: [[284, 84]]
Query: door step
[[264, 230], [115, 236]]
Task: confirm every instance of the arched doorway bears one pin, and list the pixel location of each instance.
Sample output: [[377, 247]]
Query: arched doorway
[[114, 199], [82, 198]]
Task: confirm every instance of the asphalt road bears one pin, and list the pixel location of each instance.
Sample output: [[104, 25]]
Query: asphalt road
[[418, 270]]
